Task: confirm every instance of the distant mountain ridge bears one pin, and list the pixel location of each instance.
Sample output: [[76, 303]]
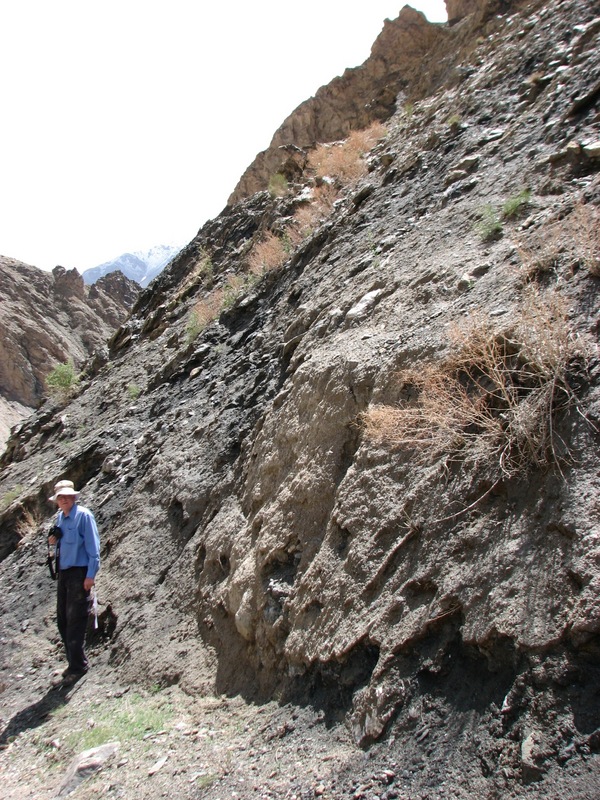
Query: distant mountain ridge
[[139, 266]]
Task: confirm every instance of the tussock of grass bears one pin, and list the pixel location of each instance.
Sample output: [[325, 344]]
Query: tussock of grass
[[62, 381], [514, 206], [278, 185], [203, 313], [489, 226]]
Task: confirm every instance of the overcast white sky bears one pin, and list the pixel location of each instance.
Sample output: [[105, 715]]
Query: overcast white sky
[[127, 123]]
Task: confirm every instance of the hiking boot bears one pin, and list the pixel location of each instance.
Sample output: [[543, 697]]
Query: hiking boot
[[70, 677]]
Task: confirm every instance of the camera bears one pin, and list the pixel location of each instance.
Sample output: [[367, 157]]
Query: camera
[[55, 531]]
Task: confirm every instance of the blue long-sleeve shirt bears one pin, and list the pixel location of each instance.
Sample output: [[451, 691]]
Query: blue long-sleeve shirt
[[80, 543]]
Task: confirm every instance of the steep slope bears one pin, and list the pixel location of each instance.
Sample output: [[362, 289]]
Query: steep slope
[[367, 482], [49, 318]]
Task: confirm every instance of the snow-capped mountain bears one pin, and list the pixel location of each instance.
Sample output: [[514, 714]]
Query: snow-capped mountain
[[140, 266]]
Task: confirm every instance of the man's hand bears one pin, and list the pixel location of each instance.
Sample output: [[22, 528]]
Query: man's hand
[[88, 583], [52, 540]]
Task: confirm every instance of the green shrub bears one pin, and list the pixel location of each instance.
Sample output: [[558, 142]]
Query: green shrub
[[62, 380], [133, 390], [490, 226], [515, 205], [278, 185]]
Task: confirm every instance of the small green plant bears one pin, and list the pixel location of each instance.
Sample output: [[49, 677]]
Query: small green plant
[[204, 781], [409, 109], [514, 206], [233, 289], [454, 122], [489, 226], [9, 496], [62, 380], [133, 390], [278, 185]]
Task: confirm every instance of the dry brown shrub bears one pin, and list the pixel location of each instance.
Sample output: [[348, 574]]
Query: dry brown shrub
[[267, 254], [445, 418], [204, 312], [310, 215], [494, 401], [585, 234], [574, 240], [344, 160]]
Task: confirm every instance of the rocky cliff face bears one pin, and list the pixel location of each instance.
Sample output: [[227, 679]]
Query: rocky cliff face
[[47, 319], [365, 478], [409, 59], [353, 101]]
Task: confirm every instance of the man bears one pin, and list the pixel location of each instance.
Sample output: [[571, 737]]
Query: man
[[77, 562]]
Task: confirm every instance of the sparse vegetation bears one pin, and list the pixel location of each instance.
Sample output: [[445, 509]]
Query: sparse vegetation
[[210, 306], [205, 267], [202, 271], [133, 390], [570, 242], [62, 380], [10, 496], [203, 313], [584, 225], [126, 719], [514, 206], [268, 254], [489, 227], [278, 185], [495, 400], [309, 215]]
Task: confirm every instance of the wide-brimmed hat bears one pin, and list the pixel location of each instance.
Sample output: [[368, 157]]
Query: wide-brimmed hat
[[64, 488]]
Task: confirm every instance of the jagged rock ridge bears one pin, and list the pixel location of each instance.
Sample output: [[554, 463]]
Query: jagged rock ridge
[[257, 541], [361, 96], [47, 319]]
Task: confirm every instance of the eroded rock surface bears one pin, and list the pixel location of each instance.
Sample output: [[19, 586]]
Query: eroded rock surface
[[47, 319]]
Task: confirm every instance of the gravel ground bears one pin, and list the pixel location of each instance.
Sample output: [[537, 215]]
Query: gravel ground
[[173, 745]]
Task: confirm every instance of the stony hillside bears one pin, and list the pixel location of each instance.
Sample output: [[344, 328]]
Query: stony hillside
[[47, 319], [343, 459]]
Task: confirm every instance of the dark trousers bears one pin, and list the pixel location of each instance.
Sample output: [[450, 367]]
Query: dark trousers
[[72, 609]]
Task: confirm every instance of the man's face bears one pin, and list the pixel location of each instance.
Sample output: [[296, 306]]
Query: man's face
[[65, 502]]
